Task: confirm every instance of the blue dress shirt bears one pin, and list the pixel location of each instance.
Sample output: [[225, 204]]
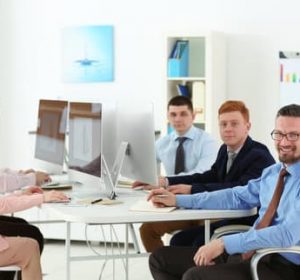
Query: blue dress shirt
[[285, 228], [199, 147]]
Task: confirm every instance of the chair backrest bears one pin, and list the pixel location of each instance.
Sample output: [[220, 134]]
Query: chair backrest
[[11, 268]]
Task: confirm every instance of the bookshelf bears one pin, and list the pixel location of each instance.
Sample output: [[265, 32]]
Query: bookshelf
[[204, 76]]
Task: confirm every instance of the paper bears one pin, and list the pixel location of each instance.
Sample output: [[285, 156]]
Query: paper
[[147, 206]]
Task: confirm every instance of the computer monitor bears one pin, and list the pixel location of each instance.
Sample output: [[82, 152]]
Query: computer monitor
[[51, 133], [85, 121], [109, 130], [135, 126]]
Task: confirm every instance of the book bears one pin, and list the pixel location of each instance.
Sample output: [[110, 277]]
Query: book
[[183, 90], [198, 99], [174, 50], [147, 206], [181, 47]]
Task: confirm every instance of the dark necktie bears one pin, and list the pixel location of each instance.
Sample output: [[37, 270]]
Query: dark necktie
[[269, 215], [231, 157], [179, 159]]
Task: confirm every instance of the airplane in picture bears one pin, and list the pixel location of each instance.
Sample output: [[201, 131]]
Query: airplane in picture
[[85, 62]]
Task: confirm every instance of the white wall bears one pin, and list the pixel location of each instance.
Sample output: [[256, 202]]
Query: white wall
[[30, 56]]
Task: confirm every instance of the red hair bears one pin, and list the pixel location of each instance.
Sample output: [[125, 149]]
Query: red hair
[[235, 105]]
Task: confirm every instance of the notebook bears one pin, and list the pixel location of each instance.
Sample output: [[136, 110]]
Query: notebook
[[147, 206]]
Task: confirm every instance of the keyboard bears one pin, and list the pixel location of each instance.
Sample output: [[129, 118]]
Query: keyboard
[[55, 185]]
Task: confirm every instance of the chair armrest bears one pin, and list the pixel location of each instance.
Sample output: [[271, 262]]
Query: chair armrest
[[230, 229], [263, 252]]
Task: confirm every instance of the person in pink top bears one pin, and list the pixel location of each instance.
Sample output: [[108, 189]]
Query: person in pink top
[[21, 243], [11, 180]]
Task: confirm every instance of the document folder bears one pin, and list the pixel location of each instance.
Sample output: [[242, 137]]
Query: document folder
[[178, 62]]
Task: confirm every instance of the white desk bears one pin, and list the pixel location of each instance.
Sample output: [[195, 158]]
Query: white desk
[[120, 214]]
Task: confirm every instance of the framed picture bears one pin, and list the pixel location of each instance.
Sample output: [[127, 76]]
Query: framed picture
[[289, 77], [88, 54]]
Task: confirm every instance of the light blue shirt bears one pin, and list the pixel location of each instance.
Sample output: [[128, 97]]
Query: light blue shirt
[[200, 151], [285, 229]]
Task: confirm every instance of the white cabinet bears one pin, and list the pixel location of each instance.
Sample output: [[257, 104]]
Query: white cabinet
[[204, 76]]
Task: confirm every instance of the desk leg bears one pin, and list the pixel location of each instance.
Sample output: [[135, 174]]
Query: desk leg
[[126, 252], [68, 250], [206, 231]]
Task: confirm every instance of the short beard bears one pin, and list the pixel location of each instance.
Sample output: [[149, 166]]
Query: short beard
[[288, 159]]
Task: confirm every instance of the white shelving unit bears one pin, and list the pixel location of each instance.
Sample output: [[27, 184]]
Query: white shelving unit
[[206, 75]]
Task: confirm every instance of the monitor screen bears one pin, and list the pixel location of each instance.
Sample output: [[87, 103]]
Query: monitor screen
[[51, 131], [85, 138], [135, 125], [109, 145]]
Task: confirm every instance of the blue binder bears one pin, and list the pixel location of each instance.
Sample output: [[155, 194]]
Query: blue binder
[[178, 63]]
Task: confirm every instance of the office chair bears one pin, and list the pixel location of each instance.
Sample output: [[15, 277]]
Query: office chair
[[263, 252], [231, 229], [11, 268]]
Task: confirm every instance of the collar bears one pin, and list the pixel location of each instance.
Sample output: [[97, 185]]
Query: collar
[[293, 169], [236, 151], [190, 134]]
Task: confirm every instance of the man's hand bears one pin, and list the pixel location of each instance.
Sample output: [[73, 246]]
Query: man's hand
[[180, 189], [138, 184], [162, 198], [207, 253], [162, 182], [53, 196], [41, 177]]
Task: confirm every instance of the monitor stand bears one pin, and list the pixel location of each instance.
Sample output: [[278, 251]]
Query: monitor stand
[[110, 177]]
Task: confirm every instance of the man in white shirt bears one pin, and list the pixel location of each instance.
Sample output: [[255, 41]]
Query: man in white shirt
[[200, 152], [200, 148]]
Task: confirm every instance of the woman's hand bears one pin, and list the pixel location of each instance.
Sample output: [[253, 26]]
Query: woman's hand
[[32, 190], [53, 196]]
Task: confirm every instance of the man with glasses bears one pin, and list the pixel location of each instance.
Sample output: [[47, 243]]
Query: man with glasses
[[239, 159], [278, 136], [276, 192]]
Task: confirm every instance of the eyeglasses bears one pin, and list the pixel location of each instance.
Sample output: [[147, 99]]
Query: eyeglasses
[[278, 136]]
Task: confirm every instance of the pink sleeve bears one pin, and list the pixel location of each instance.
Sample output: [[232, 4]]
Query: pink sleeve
[[14, 203], [11, 180]]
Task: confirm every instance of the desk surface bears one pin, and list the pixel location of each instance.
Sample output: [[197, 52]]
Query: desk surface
[[120, 213]]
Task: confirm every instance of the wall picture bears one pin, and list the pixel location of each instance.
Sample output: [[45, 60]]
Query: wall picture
[[87, 54], [289, 77]]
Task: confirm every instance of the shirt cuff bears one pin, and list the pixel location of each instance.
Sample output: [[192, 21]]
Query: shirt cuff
[[232, 244], [184, 201]]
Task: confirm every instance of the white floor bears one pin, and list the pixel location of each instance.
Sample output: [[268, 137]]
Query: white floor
[[54, 268]]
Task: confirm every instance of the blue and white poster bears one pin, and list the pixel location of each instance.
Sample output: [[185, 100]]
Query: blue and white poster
[[88, 54]]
